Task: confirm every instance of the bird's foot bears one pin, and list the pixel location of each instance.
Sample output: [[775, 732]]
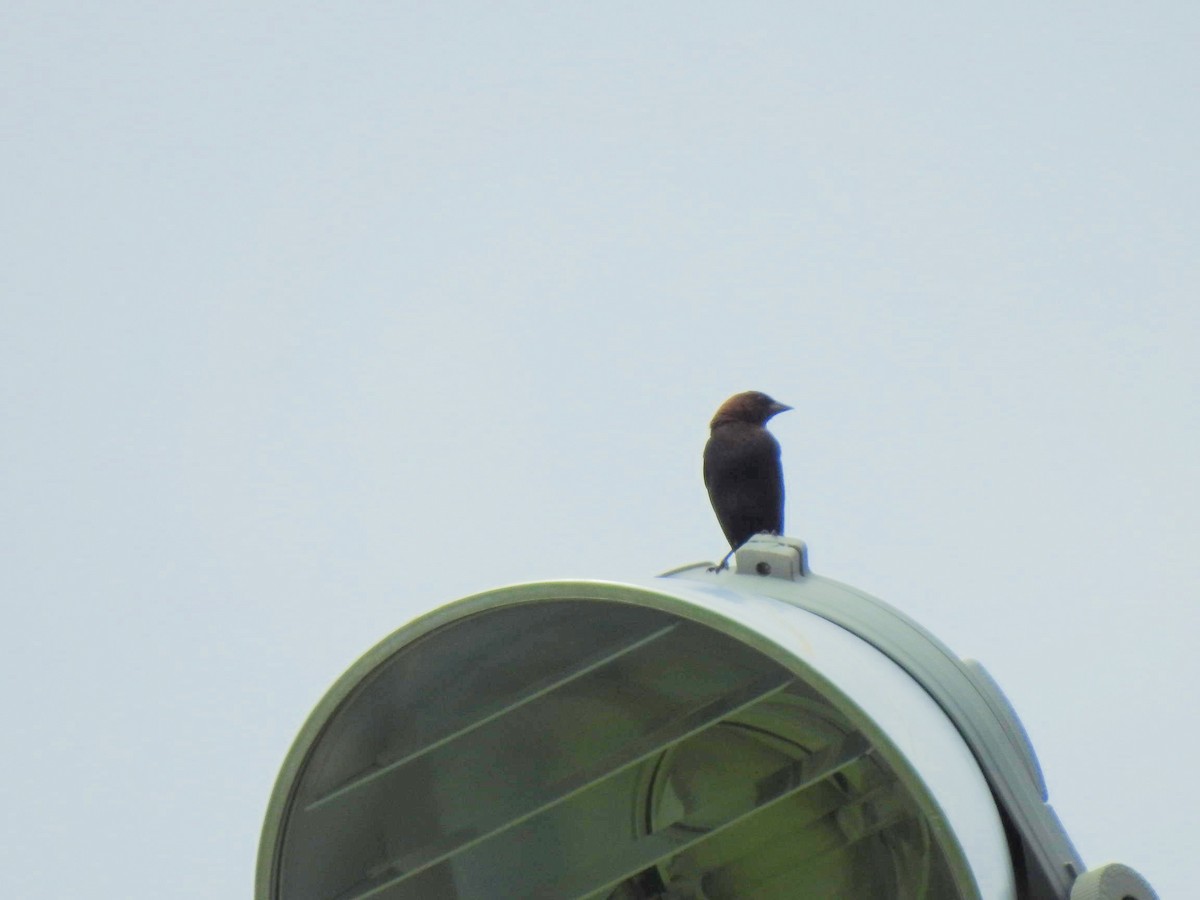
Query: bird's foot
[[724, 563]]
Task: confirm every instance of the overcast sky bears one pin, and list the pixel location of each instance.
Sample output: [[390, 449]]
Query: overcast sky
[[315, 318]]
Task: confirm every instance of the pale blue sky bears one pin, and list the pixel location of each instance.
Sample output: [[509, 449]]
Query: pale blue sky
[[315, 318]]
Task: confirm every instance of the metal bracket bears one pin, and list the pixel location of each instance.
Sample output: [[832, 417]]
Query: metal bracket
[[773, 556]]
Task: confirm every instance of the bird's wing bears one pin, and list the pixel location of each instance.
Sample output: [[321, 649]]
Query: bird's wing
[[745, 481]]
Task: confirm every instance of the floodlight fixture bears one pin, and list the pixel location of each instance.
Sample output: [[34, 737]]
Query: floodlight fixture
[[756, 734]]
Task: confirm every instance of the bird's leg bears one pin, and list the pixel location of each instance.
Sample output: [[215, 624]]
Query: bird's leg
[[724, 563]]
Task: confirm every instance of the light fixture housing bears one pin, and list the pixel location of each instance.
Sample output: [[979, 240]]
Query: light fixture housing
[[759, 733]]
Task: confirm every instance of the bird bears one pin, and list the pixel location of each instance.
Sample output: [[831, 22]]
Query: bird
[[742, 470]]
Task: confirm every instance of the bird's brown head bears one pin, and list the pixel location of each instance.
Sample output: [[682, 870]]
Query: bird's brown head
[[753, 407]]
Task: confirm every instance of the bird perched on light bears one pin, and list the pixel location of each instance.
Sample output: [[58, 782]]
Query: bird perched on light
[[742, 470]]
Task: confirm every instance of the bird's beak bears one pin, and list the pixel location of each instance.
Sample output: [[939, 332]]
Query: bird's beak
[[777, 408]]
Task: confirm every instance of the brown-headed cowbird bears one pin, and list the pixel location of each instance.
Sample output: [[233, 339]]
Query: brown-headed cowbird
[[742, 471]]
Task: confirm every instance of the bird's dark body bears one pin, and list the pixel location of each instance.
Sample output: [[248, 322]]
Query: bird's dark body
[[742, 470], [744, 480]]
